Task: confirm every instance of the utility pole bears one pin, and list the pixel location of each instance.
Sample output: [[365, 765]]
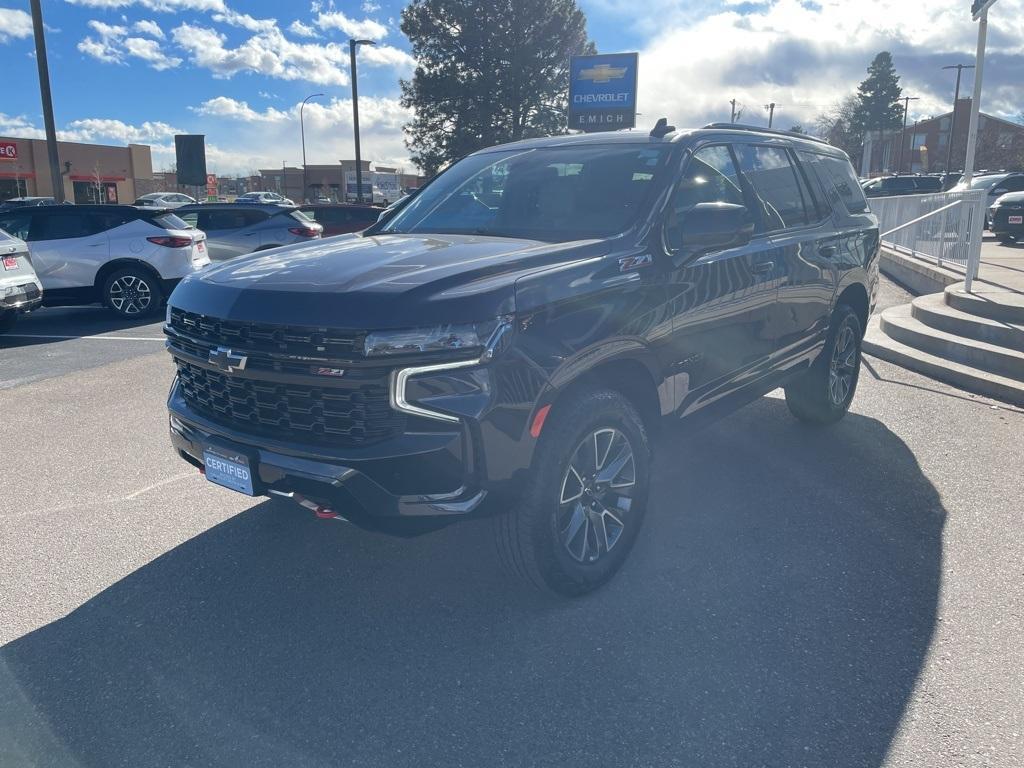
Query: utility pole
[[284, 178], [44, 91], [771, 113], [302, 130], [732, 117], [903, 134], [952, 120], [980, 13], [352, 45]]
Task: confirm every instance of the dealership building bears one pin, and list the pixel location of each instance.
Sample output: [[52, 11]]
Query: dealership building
[[91, 172]]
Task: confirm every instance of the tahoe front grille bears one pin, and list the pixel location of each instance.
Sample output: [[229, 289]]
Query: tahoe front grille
[[351, 414], [263, 337]]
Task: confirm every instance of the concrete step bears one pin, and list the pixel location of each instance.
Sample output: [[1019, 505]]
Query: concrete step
[[899, 324], [933, 311], [878, 344], [989, 301]]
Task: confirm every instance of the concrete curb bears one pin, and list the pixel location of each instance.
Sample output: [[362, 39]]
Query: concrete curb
[[917, 275]]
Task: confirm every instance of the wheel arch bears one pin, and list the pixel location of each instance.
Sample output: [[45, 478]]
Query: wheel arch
[[855, 296], [112, 266]]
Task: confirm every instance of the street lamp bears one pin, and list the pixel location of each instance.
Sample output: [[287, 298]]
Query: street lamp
[[352, 45], [903, 135], [284, 178], [979, 12], [302, 131], [952, 120]]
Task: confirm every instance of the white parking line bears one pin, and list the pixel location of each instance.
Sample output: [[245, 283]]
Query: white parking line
[[97, 336]]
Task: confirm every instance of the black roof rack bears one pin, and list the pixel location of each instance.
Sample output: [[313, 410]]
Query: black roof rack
[[762, 129]]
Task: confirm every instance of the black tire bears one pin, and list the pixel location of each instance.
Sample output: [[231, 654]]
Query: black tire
[[133, 292], [7, 320], [534, 540], [1005, 239], [818, 398]]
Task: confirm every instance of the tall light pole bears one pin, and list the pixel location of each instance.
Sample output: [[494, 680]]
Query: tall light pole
[[352, 45], [952, 120], [771, 113], [903, 135], [284, 178], [302, 131], [44, 91], [980, 13]]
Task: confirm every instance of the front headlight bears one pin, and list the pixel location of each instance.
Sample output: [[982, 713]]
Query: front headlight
[[439, 338]]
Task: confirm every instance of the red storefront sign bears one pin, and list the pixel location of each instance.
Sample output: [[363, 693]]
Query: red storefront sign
[[8, 150]]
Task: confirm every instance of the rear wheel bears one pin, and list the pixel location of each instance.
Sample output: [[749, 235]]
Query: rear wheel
[[132, 292], [574, 526], [1004, 238], [824, 393]]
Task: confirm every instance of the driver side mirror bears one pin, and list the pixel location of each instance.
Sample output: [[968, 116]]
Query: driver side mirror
[[710, 227]]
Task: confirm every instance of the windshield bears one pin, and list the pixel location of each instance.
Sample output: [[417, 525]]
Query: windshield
[[553, 194], [984, 182]]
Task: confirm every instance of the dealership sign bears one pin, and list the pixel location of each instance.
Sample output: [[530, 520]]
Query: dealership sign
[[8, 150], [602, 92]]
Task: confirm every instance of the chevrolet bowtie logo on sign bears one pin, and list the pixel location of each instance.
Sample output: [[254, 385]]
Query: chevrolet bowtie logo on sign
[[603, 73], [226, 360], [602, 92]]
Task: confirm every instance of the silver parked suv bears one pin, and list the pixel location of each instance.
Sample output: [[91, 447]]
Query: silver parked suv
[[126, 258], [20, 289], [235, 230]]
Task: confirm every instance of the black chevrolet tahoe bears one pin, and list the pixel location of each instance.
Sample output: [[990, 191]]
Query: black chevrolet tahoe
[[508, 343]]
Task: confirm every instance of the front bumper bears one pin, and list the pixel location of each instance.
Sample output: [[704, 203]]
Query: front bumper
[[377, 482]]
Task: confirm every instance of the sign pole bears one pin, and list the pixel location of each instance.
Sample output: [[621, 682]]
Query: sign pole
[[44, 91], [972, 130]]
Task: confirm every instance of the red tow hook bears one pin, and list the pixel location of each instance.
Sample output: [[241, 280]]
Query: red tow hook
[[324, 513]]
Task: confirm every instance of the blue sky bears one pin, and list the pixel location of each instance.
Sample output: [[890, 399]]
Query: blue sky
[[142, 70]]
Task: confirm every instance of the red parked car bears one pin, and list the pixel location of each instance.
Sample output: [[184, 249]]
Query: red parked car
[[339, 218]]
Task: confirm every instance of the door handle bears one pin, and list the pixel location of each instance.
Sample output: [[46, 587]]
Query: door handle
[[828, 251], [760, 267]]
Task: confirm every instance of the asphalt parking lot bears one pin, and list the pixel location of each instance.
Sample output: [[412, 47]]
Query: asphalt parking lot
[[844, 597]]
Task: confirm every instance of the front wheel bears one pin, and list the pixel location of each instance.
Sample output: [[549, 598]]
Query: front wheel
[[1005, 239], [823, 394], [132, 293], [574, 526]]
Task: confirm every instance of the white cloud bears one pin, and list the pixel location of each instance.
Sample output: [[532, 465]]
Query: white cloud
[[369, 6], [245, 21], [148, 28], [387, 56], [807, 56], [112, 45], [224, 106], [20, 127], [301, 29], [95, 129], [366, 28], [14, 24]]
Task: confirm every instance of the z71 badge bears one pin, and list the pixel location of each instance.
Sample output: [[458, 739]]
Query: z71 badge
[[627, 263]]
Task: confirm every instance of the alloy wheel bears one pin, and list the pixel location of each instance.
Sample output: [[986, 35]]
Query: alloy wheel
[[843, 366], [130, 295], [596, 495]]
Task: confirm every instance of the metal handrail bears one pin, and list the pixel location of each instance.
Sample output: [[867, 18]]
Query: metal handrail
[[922, 218]]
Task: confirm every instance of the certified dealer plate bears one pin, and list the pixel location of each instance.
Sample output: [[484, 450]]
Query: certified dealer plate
[[10, 262], [1015, 220], [228, 469]]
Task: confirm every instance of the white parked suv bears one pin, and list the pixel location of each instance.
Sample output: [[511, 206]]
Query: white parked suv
[[263, 197], [20, 289], [128, 259]]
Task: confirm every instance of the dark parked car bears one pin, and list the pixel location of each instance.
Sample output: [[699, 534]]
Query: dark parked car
[[1007, 217], [25, 202], [341, 218], [234, 229], [509, 342], [894, 186]]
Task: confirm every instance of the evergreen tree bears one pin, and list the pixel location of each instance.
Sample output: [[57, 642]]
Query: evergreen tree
[[877, 97], [487, 72]]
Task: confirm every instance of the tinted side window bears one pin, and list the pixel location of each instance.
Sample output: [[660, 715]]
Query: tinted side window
[[1013, 184], [710, 177], [840, 182], [810, 189], [16, 224], [771, 174], [191, 218], [62, 226], [253, 217]]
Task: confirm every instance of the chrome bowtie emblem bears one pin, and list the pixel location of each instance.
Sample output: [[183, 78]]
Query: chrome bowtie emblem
[[226, 360]]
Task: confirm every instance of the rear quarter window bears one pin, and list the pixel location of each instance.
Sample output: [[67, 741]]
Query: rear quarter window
[[170, 221], [840, 182]]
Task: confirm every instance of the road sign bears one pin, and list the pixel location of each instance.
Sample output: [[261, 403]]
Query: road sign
[[602, 92], [8, 150]]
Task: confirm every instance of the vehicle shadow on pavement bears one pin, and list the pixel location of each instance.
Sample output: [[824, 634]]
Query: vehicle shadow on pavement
[[777, 611], [51, 325]]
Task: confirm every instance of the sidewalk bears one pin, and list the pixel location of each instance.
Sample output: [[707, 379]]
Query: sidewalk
[[1001, 276]]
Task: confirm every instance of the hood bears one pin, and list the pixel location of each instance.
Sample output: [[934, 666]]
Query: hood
[[381, 281]]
